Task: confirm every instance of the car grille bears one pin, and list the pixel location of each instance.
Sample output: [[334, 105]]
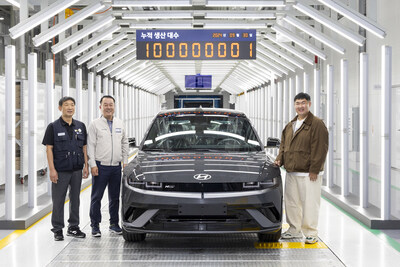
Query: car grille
[[204, 187]]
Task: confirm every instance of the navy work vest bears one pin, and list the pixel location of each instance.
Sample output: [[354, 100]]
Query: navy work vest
[[68, 153]]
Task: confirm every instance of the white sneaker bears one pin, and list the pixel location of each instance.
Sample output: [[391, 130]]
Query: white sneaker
[[311, 240], [289, 235]]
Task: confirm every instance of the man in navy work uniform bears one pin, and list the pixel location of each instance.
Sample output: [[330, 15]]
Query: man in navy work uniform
[[65, 141], [107, 149]]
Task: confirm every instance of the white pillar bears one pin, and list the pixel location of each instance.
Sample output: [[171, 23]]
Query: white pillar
[[116, 96], [276, 103], [317, 92], [121, 102], [280, 109], [286, 102], [299, 84], [65, 80], [110, 87], [344, 78], [105, 86], [306, 83], [10, 132], [364, 151], [90, 96], [262, 119], [386, 139], [292, 112], [98, 95], [78, 110], [32, 148], [50, 107], [330, 102]]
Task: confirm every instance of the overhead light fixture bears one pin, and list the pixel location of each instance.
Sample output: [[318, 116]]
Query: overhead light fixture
[[229, 24], [65, 24], [109, 53], [165, 14], [277, 59], [161, 25], [301, 42], [291, 49], [40, 17], [119, 64], [133, 65], [281, 53], [233, 14], [85, 57], [274, 66], [140, 3], [124, 8], [328, 22], [1, 18], [116, 58], [91, 42], [314, 33], [355, 17], [92, 27], [230, 3], [14, 3]]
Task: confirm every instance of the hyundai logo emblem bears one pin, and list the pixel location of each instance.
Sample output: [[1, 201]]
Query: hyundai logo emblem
[[202, 177]]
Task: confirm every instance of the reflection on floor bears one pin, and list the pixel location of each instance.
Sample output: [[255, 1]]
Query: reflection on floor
[[343, 242]]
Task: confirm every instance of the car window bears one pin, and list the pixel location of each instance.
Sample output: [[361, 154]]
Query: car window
[[202, 132]]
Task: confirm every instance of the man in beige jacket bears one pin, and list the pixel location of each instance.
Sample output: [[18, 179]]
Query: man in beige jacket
[[302, 152], [107, 150]]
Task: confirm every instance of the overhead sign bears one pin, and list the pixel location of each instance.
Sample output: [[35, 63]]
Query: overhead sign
[[195, 44], [198, 82]]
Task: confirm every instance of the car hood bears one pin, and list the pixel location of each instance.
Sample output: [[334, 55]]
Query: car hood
[[217, 167]]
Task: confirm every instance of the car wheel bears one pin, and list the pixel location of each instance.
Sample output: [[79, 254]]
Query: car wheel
[[133, 237], [270, 237]]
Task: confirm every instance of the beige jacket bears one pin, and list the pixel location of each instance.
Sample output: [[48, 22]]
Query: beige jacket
[[306, 149], [102, 145]]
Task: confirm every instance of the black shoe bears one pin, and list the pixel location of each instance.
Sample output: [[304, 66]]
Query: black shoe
[[75, 232], [96, 231], [58, 236]]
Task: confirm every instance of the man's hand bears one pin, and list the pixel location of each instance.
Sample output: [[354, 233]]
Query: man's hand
[[53, 175], [277, 163], [313, 176], [85, 173], [95, 171]]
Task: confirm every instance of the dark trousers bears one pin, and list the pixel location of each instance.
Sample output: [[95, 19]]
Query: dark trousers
[[109, 176], [66, 180]]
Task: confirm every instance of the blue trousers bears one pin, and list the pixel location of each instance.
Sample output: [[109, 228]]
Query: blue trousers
[[109, 176]]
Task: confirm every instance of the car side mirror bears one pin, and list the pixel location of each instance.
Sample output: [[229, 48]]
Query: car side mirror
[[273, 142], [132, 142]]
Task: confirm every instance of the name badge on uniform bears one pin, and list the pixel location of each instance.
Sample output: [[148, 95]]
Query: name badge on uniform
[[118, 130], [61, 134]]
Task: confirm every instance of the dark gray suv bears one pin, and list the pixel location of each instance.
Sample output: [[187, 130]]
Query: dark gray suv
[[201, 171]]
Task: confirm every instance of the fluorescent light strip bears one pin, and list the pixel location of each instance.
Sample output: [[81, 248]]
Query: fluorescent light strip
[[85, 57], [65, 24], [161, 25], [226, 24], [166, 14], [314, 33], [138, 3], [109, 53], [328, 22], [40, 17], [14, 3], [291, 49], [301, 42], [128, 68], [92, 27], [230, 3], [119, 64], [232, 14], [274, 66], [91, 42], [355, 17], [277, 59], [115, 58], [281, 53]]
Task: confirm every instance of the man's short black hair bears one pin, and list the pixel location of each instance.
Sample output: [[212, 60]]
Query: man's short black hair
[[106, 96], [64, 99], [302, 96]]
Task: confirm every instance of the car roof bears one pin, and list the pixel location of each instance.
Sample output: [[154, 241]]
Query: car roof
[[217, 111]]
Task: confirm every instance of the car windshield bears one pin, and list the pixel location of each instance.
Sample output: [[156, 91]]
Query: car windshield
[[201, 132]]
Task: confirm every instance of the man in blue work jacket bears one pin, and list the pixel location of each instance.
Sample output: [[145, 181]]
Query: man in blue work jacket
[[65, 140]]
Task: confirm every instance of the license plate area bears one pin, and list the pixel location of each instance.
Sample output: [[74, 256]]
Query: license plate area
[[202, 209]]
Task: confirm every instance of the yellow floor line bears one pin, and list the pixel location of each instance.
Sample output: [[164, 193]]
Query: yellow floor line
[[288, 245], [14, 235]]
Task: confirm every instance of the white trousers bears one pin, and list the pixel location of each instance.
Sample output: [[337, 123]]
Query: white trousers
[[302, 200]]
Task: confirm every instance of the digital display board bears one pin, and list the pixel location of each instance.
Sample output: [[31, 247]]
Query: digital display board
[[195, 44], [198, 81]]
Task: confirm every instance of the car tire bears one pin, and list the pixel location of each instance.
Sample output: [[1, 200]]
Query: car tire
[[270, 237], [133, 237]]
